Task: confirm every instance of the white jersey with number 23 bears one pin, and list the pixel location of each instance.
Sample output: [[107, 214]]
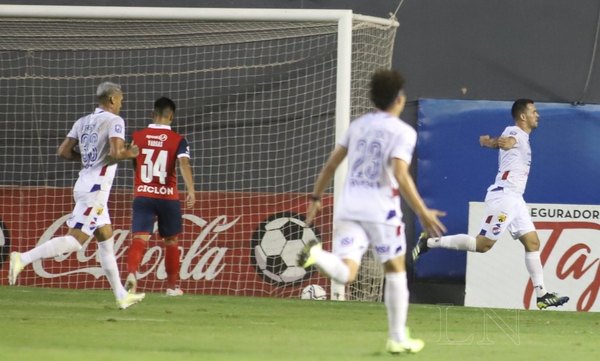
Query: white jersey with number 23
[[370, 192]]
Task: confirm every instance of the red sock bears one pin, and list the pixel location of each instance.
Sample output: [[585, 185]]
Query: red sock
[[135, 254], [172, 265]]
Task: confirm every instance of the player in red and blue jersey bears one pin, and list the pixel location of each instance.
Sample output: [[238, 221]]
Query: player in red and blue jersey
[[155, 192]]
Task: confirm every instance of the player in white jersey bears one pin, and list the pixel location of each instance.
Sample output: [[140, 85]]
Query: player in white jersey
[[380, 148], [97, 141], [505, 207]]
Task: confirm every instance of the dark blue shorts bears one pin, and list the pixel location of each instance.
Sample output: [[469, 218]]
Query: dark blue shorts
[[167, 212]]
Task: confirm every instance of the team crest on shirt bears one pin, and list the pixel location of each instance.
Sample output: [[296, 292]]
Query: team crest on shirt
[[118, 128], [93, 224], [496, 229], [502, 217]]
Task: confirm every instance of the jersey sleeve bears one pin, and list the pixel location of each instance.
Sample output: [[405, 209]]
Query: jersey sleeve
[[404, 145], [183, 150], [510, 132], [74, 132], [345, 141], [117, 128]]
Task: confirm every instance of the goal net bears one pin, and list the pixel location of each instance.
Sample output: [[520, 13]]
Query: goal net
[[260, 102]]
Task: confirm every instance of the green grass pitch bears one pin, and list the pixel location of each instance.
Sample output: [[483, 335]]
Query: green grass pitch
[[53, 324]]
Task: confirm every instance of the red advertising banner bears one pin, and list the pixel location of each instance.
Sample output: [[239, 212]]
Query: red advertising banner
[[232, 243]]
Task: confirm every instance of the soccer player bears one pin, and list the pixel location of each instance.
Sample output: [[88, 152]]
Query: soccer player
[[379, 146], [156, 195], [97, 140], [504, 204]]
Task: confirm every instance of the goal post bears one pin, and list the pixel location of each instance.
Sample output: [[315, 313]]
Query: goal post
[[262, 95]]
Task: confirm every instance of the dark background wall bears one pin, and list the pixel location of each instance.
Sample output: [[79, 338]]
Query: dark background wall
[[466, 49]]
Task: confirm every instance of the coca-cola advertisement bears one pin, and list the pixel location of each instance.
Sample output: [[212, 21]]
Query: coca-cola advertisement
[[569, 251], [232, 243]]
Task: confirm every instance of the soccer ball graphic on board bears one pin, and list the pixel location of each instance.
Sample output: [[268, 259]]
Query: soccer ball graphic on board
[[275, 246]]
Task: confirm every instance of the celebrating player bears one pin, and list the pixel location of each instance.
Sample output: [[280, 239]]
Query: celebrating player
[[156, 194], [380, 148], [504, 204], [101, 142]]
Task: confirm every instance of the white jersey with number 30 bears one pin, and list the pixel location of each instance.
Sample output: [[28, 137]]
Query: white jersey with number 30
[[93, 132], [371, 191]]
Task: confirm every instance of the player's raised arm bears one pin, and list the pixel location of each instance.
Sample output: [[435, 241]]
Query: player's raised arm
[[504, 143], [188, 179]]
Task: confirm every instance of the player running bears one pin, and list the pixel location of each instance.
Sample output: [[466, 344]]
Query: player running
[[156, 195], [504, 204], [379, 146], [97, 141]]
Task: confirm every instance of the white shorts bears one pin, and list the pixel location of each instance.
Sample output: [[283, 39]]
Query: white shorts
[[505, 211], [351, 240], [90, 212]]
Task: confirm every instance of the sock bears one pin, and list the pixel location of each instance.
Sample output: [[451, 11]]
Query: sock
[[108, 261], [172, 265], [51, 248], [135, 254], [461, 242], [332, 265], [396, 302], [536, 272]]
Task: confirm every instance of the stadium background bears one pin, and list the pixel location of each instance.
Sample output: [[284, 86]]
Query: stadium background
[[468, 49]]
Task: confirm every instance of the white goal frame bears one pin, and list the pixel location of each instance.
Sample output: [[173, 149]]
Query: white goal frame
[[343, 18]]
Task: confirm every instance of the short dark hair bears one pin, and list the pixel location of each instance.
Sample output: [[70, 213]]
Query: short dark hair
[[519, 107], [385, 86], [162, 104]]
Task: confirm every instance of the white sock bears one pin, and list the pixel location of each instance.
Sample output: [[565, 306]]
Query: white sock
[[51, 248], [461, 242], [536, 272], [332, 265], [108, 261], [396, 302]]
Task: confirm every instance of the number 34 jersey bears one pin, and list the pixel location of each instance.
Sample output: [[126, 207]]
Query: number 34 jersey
[[371, 191], [155, 173]]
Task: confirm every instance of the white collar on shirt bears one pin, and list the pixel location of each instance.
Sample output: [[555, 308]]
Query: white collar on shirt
[[159, 126]]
